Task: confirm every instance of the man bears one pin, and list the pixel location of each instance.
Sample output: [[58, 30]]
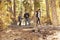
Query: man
[[26, 16], [38, 13], [19, 19]]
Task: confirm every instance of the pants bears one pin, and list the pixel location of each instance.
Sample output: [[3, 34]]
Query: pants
[[20, 23], [38, 20], [27, 20]]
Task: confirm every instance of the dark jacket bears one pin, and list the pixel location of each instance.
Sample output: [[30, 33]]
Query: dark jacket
[[36, 13], [19, 18], [26, 15]]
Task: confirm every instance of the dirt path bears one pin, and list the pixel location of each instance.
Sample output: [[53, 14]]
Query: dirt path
[[24, 33]]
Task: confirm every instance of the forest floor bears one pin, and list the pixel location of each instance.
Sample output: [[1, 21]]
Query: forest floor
[[30, 33]]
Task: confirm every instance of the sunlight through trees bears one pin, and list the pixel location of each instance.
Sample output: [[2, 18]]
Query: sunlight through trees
[[10, 9]]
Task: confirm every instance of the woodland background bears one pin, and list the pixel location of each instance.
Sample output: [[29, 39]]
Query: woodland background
[[10, 9]]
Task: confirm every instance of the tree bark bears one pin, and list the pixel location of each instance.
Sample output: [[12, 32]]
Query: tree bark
[[47, 12], [59, 3], [14, 13], [54, 12]]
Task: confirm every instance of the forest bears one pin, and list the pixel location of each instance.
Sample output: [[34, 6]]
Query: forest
[[10, 9], [46, 27]]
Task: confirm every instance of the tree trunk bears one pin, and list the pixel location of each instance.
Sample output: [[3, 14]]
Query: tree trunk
[[54, 12], [14, 13], [47, 12], [59, 3], [0, 1]]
